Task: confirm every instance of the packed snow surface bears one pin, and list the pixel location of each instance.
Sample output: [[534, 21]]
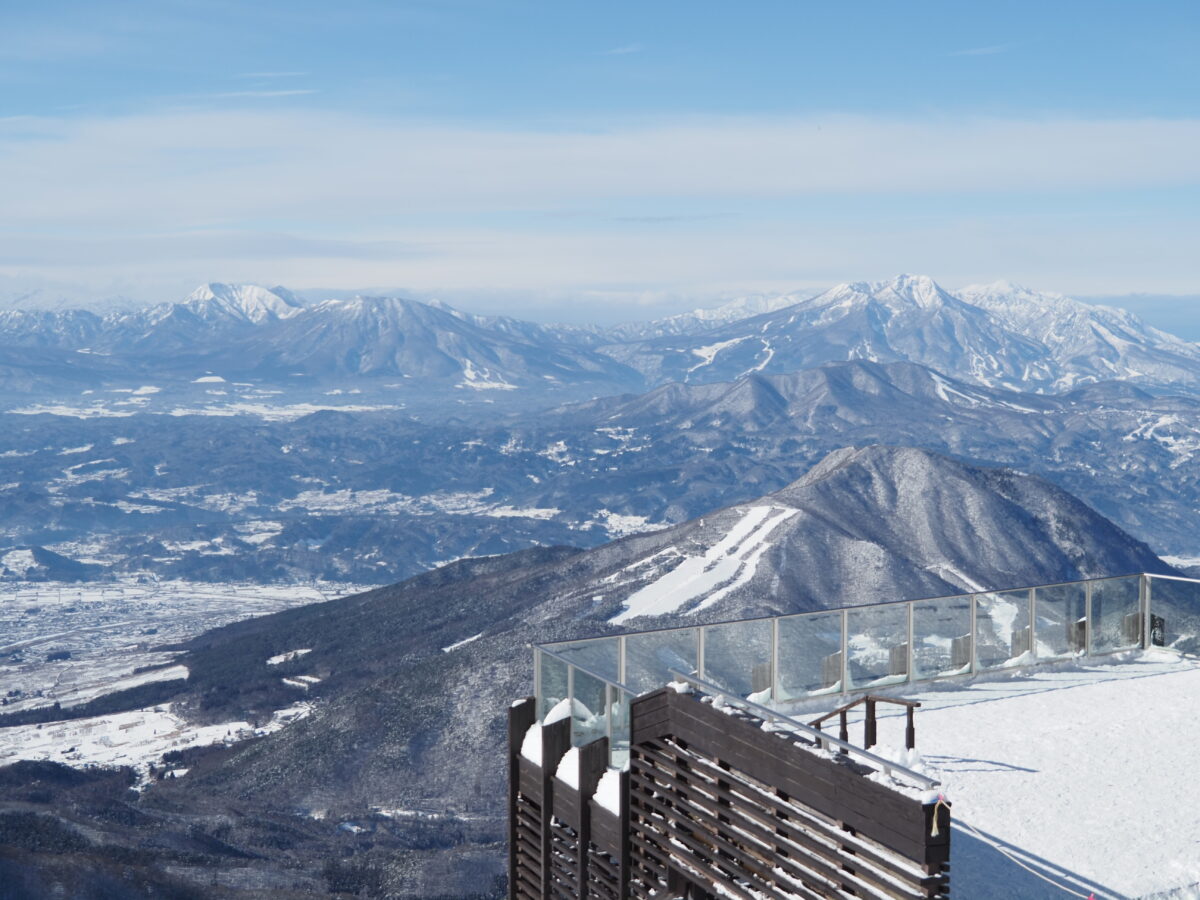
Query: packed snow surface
[[723, 567], [608, 791], [1084, 773], [568, 768], [137, 738], [531, 746]]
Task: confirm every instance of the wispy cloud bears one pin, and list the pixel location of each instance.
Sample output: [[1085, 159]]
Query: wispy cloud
[[270, 74], [624, 50], [291, 162], [984, 51], [390, 201], [282, 93], [668, 219]]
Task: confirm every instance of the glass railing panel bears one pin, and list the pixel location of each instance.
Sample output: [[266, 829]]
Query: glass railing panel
[[1002, 636], [737, 657], [552, 684], [877, 642], [810, 655], [650, 656], [1175, 614], [601, 655], [1116, 614], [941, 637], [1061, 628], [618, 749], [589, 709]]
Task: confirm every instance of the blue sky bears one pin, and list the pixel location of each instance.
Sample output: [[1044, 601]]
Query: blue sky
[[562, 158]]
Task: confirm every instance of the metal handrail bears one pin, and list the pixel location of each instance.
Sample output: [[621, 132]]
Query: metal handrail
[[587, 671], [821, 738], [838, 609]]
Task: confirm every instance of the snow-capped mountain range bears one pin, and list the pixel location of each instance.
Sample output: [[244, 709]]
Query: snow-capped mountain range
[[999, 335]]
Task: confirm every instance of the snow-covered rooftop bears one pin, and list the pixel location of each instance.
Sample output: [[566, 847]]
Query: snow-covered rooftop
[[1079, 778]]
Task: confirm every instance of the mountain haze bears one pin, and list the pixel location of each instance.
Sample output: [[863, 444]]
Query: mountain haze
[[999, 335]]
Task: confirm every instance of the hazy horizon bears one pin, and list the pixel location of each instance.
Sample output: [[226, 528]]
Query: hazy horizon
[[619, 163]]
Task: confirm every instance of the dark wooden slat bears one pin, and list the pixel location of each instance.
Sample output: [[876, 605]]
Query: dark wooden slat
[[871, 809], [797, 831], [684, 830], [709, 872], [761, 828]]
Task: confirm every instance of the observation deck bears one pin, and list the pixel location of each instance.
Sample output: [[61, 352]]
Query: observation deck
[[778, 661]]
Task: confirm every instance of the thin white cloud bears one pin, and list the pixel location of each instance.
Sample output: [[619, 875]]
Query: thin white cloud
[[623, 50], [984, 51], [323, 166], [397, 202], [296, 92]]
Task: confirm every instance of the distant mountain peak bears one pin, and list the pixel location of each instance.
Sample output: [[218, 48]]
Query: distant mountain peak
[[901, 290], [249, 302]]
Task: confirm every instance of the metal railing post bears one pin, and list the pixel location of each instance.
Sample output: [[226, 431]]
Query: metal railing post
[[1087, 618], [537, 681], [571, 701], [1033, 622], [974, 634], [1144, 589], [621, 659], [845, 651], [775, 660], [608, 717], [700, 651], [911, 634]]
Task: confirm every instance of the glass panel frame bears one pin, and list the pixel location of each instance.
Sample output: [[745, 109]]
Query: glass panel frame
[[738, 657], [874, 657], [1003, 639], [1174, 614], [809, 660], [650, 655], [552, 686], [619, 730], [589, 708], [601, 655], [1116, 614], [1060, 630], [942, 637]]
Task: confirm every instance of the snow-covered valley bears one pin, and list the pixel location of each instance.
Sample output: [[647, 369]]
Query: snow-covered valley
[[71, 643]]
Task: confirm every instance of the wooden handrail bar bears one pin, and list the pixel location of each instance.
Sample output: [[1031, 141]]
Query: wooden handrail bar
[[816, 723], [870, 734]]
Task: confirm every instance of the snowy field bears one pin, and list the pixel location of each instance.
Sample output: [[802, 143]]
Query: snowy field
[[1067, 781], [69, 643], [137, 738]]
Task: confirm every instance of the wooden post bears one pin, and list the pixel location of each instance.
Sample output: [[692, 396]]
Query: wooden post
[[520, 717], [556, 740], [593, 761], [910, 731], [844, 730]]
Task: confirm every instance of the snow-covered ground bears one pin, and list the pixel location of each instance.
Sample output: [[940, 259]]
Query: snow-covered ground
[[137, 738], [1083, 773], [69, 643], [723, 567]]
